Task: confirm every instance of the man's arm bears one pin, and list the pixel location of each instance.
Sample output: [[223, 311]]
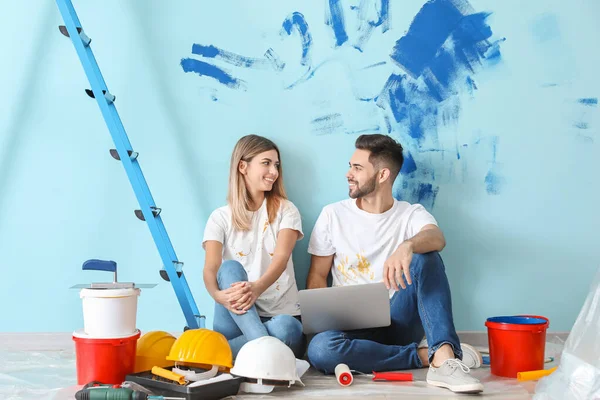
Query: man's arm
[[429, 238], [319, 270]]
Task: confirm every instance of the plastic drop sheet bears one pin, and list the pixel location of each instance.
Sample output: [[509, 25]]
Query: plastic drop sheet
[[578, 374], [51, 375]]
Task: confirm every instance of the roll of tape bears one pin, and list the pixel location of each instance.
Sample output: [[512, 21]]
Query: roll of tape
[[343, 375]]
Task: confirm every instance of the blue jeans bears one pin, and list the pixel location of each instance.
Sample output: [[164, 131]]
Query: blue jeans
[[240, 329], [424, 307]]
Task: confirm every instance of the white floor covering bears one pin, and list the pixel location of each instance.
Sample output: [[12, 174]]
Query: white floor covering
[[42, 366]]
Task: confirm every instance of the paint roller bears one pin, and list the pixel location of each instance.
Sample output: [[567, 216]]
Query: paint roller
[[343, 375]]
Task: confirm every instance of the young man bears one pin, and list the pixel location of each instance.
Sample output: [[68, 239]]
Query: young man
[[372, 237]]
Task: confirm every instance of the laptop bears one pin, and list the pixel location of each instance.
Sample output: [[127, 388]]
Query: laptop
[[345, 308]]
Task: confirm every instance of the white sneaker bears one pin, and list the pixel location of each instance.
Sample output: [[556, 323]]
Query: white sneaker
[[471, 356], [453, 374]]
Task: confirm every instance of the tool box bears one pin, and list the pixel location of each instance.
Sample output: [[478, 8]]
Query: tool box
[[167, 388]]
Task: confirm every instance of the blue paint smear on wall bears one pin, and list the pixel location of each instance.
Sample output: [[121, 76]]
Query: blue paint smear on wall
[[211, 51], [205, 69], [335, 19], [297, 21], [409, 166], [582, 125], [591, 101], [418, 192], [274, 59], [493, 182], [327, 124], [367, 25]]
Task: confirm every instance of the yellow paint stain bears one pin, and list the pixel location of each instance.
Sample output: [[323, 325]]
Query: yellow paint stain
[[344, 270], [266, 226], [241, 254], [372, 275], [363, 264], [271, 254]]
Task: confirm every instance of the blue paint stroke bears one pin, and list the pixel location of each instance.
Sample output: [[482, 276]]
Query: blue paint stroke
[[327, 124], [582, 125], [428, 31], [335, 19], [367, 25], [375, 65], [229, 57], [374, 129], [409, 166], [413, 191], [205, 69], [591, 101], [297, 21], [421, 52], [471, 85], [493, 182], [274, 59], [409, 105]]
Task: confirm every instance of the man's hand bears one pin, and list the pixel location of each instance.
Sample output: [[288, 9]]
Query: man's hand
[[397, 265]]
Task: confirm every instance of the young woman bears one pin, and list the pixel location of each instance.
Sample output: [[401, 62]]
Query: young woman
[[248, 268]]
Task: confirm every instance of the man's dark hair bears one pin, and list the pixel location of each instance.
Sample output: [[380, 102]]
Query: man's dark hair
[[385, 152]]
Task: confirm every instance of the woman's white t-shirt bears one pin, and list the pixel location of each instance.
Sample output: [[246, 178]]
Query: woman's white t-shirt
[[254, 250]]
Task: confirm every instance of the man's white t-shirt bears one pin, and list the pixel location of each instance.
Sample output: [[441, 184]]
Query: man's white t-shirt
[[362, 241], [254, 249]]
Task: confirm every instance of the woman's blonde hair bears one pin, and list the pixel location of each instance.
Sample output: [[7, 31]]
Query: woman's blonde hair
[[238, 197]]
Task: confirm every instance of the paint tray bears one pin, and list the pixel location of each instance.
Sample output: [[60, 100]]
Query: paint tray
[[164, 387]]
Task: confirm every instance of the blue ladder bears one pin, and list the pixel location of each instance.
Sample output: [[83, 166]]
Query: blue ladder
[[124, 152]]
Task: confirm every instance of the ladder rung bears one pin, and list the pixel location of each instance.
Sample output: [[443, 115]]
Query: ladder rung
[[107, 95], [84, 38], [64, 31], [165, 276], [155, 210], [115, 154]]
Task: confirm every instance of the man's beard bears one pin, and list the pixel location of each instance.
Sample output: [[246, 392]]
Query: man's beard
[[366, 189]]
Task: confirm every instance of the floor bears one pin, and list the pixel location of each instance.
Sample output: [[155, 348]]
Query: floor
[[42, 366]]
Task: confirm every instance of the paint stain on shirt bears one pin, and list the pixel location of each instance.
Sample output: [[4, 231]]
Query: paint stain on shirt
[[363, 264]]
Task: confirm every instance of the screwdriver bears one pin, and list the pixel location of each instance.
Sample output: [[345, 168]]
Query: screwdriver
[[107, 393]]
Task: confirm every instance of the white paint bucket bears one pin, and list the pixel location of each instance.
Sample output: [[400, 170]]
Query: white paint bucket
[[109, 313]]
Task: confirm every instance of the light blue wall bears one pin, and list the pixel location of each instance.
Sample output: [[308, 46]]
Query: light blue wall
[[508, 162]]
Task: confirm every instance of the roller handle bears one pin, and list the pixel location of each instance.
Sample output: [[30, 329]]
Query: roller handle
[[393, 376]]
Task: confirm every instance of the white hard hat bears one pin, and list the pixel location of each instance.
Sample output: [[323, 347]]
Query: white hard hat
[[266, 358]]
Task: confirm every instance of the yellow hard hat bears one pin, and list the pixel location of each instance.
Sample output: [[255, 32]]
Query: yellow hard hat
[[152, 350], [202, 348]]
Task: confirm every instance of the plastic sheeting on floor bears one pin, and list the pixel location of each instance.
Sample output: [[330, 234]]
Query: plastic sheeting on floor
[[50, 374]]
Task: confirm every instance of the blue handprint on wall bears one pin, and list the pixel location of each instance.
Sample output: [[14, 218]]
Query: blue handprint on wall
[[445, 44]]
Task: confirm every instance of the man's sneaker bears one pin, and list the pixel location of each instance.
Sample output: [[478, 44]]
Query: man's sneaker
[[453, 374], [471, 356]]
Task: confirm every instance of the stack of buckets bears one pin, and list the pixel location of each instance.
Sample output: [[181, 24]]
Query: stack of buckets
[[517, 344], [106, 347]]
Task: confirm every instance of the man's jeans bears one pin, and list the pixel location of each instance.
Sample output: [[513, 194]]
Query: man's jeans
[[425, 307], [240, 329]]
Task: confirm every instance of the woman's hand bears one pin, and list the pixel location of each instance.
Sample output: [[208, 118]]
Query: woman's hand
[[231, 296], [251, 291]]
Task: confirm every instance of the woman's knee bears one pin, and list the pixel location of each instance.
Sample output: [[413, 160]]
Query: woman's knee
[[289, 330], [230, 271]]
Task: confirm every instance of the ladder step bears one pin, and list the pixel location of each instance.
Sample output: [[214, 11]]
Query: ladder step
[[109, 97], [64, 31], [155, 210], [115, 154], [86, 40], [165, 276]]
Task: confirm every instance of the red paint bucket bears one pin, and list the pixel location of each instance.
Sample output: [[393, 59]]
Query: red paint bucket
[[517, 344], [104, 360]]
